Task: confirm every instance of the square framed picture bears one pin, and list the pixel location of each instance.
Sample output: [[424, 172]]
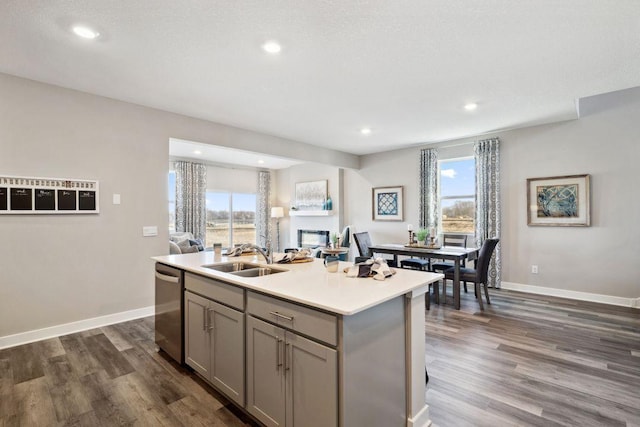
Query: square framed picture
[[388, 204], [559, 201]]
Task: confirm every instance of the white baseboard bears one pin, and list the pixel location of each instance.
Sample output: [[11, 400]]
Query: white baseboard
[[581, 296], [69, 328]]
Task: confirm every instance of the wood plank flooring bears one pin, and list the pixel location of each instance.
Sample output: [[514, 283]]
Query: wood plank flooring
[[526, 360], [111, 376], [531, 360]]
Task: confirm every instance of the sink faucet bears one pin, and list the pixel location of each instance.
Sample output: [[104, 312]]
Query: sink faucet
[[268, 255]]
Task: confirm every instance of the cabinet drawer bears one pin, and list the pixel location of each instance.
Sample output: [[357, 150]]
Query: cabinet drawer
[[310, 322], [216, 290]]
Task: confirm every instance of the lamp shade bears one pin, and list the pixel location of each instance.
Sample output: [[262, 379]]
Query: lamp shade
[[277, 212]]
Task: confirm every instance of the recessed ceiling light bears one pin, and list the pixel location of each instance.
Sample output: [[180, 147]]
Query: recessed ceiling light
[[272, 47], [197, 152], [261, 161], [365, 131], [85, 32], [471, 106]]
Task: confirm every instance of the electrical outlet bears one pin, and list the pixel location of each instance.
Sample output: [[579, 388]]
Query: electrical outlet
[[534, 269]]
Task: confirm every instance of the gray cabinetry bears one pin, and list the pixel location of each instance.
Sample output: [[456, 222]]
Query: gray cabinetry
[[214, 343], [291, 380], [196, 333]]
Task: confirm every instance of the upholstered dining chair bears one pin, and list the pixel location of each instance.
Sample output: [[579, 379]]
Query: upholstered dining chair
[[363, 242], [456, 240], [478, 275], [422, 265]]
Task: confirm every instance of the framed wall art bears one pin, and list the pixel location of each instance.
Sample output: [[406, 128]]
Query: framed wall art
[[21, 195], [311, 196], [559, 201], [388, 204]]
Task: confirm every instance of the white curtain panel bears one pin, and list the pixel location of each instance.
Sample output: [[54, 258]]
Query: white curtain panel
[[191, 188], [488, 209], [429, 188], [263, 210]]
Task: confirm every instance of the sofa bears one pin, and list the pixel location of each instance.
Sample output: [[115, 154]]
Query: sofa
[[183, 242]]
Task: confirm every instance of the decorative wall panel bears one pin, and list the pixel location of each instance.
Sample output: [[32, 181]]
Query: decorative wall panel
[[21, 195]]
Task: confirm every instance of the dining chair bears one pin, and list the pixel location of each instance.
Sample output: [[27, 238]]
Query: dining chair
[[416, 263], [478, 275], [422, 265], [345, 241], [456, 240], [363, 242]]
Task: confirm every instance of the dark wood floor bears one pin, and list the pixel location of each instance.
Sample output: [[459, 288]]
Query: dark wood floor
[[526, 360], [111, 376], [533, 361]]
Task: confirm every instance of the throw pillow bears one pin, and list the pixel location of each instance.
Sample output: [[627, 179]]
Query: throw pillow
[[190, 249], [184, 244], [198, 243]]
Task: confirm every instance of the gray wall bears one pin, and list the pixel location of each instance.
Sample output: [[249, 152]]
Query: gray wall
[[599, 259], [60, 269]]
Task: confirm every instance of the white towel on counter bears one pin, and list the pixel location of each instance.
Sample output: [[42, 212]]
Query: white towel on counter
[[239, 250], [293, 255], [376, 268]]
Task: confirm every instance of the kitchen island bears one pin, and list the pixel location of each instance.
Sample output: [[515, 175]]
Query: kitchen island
[[305, 347]]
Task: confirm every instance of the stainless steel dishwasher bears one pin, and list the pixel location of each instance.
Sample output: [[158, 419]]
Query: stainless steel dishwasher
[[169, 308]]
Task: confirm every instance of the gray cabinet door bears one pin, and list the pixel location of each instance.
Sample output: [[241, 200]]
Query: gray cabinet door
[[196, 342], [265, 372], [227, 350], [311, 383]]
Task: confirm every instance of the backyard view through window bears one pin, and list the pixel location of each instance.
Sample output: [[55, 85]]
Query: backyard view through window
[[457, 195], [231, 218]]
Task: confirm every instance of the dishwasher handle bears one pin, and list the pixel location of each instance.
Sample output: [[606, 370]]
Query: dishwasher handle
[[172, 279]]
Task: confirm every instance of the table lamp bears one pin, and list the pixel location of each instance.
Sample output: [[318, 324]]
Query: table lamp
[[277, 212]]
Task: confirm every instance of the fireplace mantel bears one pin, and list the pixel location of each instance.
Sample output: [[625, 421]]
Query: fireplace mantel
[[310, 213]]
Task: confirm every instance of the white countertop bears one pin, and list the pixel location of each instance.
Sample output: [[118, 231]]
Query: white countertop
[[310, 283]]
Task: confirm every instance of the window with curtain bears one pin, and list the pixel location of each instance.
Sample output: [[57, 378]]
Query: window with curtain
[[191, 184], [231, 218], [172, 201], [488, 213], [457, 195]]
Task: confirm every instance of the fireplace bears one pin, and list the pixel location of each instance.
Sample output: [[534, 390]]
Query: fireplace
[[312, 238]]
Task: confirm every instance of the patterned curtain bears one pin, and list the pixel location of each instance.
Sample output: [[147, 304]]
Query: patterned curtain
[[487, 156], [263, 210], [429, 188], [191, 187]]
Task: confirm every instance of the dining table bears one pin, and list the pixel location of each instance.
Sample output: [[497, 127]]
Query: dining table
[[452, 253]]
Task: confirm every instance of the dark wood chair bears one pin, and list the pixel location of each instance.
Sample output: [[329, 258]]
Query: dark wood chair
[[416, 264], [478, 275], [406, 263], [456, 240], [363, 242]]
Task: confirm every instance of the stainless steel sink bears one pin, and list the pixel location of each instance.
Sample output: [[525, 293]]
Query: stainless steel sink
[[230, 267], [256, 272]]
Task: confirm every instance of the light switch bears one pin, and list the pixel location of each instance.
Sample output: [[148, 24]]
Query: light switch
[[149, 230], [116, 199]]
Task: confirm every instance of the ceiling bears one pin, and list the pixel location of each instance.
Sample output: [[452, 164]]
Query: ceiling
[[405, 69], [228, 156]]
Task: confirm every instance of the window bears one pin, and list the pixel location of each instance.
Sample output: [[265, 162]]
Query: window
[[172, 201], [457, 195], [231, 218]]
